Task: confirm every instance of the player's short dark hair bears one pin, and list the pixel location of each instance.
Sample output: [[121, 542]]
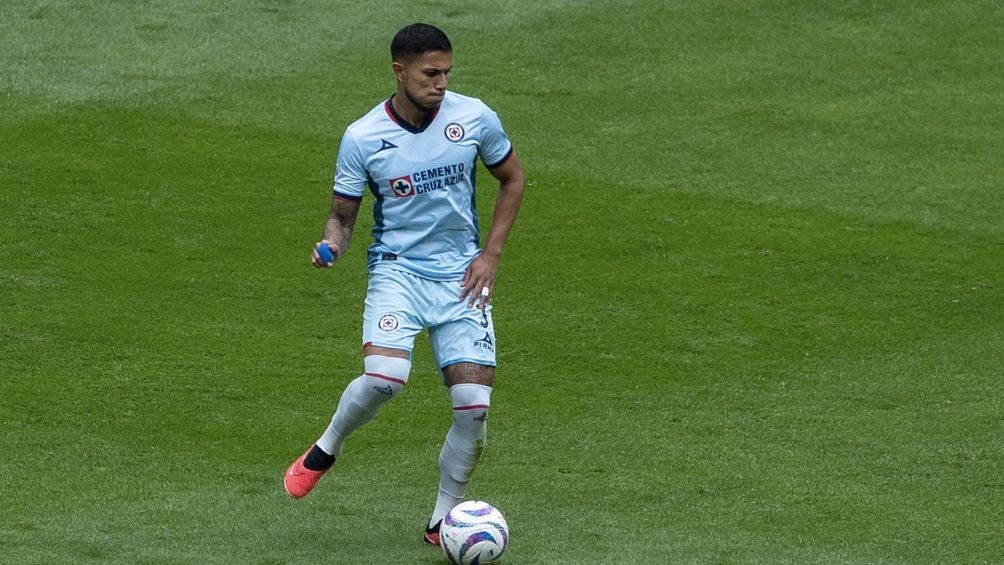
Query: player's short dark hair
[[419, 38]]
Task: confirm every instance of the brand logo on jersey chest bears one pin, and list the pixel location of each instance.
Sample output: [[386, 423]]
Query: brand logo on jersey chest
[[428, 180]]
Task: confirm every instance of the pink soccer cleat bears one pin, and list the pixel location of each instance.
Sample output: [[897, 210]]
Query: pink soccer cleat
[[299, 480], [431, 536]]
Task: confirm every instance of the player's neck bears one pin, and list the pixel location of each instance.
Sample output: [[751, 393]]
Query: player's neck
[[409, 111]]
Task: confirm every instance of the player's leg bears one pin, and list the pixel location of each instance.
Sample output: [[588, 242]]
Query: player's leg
[[389, 329], [386, 373], [465, 349], [470, 388]]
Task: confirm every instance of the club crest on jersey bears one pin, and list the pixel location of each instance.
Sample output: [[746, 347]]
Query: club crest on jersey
[[454, 132], [402, 186], [388, 323]]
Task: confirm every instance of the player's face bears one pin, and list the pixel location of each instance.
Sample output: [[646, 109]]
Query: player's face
[[424, 78]]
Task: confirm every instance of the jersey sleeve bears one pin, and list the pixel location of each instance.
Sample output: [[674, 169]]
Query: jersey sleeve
[[495, 146], [350, 170]]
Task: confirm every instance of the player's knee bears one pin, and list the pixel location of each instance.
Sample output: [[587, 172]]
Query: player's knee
[[470, 404], [386, 375], [470, 394]]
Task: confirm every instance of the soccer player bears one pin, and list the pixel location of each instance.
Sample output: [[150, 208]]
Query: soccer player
[[416, 152]]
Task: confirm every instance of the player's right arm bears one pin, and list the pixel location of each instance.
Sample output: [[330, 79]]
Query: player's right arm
[[337, 229], [350, 180]]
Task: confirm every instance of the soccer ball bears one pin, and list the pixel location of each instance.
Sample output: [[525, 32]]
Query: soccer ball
[[473, 533]]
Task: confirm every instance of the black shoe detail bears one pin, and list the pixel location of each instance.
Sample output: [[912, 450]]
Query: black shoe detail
[[431, 536], [318, 460]]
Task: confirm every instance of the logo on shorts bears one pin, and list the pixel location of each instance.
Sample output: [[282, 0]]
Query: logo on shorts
[[388, 323], [485, 343], [402, 186], [454, 132]]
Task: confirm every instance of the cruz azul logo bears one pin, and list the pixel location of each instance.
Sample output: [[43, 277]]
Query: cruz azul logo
[[388, 323], [402, 186], [428, 180], [454, 132]]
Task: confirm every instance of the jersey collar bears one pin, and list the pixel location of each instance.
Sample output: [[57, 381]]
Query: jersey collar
[[405, 124]]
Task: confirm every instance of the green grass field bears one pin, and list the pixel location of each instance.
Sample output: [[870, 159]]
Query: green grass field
[[752, 311]]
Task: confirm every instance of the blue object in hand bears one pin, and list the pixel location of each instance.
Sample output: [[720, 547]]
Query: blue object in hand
[[324, 252]]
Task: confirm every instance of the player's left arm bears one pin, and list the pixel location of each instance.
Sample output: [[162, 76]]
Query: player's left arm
[[481, 272]]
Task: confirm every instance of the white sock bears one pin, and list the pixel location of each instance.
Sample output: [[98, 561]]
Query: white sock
[[463, 445], [362, 398]]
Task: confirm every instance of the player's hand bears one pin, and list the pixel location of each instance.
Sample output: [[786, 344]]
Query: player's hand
[[479, 279], [317, 260]]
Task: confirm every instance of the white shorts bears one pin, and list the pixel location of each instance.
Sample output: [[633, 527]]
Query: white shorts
[[399, 305]]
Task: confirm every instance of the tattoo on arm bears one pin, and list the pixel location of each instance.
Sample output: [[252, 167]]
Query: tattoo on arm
[[341, 220]]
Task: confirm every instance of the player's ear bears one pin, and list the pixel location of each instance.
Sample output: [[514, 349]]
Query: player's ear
[[398, 70]]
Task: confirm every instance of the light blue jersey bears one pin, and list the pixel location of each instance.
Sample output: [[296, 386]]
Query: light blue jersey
[[425, 218]]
